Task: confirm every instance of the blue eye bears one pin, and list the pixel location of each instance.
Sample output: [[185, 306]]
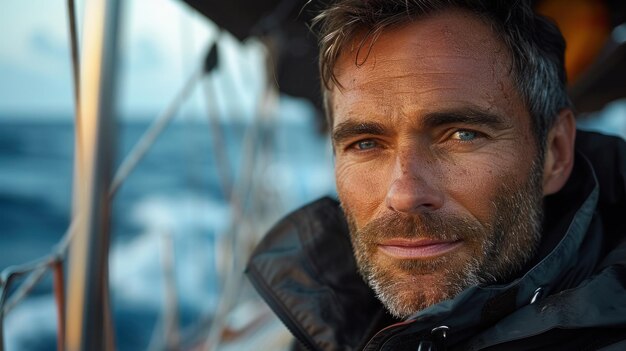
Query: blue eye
[[465, 135], [365, 144]]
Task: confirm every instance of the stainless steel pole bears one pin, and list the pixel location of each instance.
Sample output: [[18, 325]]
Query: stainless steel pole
[[89, 325]]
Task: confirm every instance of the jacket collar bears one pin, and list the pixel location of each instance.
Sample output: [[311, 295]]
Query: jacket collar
[[563, 265], [305, 270]]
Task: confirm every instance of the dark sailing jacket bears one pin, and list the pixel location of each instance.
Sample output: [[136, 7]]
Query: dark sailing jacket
[[571, 297]]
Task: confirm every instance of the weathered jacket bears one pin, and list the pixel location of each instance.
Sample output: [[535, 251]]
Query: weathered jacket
[[571, 297]]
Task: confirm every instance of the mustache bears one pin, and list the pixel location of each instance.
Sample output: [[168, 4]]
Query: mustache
[[427, 225]]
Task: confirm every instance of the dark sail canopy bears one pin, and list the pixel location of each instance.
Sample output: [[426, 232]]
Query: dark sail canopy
[[295, 49]]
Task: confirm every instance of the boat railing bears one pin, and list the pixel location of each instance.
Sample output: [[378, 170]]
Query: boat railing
[[86, 322]]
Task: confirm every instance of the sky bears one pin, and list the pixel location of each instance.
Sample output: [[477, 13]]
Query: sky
[[162, 41]]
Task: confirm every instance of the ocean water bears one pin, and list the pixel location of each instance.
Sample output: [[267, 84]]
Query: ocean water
[[174, 194]]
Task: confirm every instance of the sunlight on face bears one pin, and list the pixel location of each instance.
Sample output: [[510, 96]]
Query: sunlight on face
[[435, 162]]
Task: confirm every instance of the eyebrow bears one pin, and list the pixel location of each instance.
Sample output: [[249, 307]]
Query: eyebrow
[[469, 116], [350, 129]]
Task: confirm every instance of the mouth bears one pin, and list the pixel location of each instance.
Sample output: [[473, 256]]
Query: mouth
[[418, 249]]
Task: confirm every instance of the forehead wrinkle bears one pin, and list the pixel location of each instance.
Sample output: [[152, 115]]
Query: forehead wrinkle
[[363, 81], [421, 53], [413, 68], [381, 109], [426, 57], [376, 79]]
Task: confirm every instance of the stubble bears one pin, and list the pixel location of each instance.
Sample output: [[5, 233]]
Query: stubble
[[493, 252]]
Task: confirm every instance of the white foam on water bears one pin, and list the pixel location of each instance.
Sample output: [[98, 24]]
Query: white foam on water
[[32, 322], [192, 224], [298, 184]]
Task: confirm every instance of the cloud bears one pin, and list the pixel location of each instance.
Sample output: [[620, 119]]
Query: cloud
[[158, 53], [32, 324], [193, 223]]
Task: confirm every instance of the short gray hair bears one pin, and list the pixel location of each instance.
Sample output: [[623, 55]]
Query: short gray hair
[[536, 46]]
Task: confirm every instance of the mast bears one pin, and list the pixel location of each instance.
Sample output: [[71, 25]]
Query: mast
[[89, 325]]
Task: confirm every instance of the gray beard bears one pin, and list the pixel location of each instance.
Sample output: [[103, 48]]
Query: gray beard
[[501, 249]]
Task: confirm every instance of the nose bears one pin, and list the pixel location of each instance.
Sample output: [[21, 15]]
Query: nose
[[413, 187]]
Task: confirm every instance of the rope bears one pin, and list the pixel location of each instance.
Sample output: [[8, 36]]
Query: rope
[[233, 281], [236, 194], [36, 269], [78, 129], [151, 134], [59, 298], [220, 146]]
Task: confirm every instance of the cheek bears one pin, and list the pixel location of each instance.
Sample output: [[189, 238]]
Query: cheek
[[361, 189], [473, 181]]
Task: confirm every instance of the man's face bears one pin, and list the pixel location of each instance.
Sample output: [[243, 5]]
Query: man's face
[[436, 164]]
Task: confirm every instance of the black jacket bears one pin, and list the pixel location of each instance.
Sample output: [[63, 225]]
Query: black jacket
[[571, 297]]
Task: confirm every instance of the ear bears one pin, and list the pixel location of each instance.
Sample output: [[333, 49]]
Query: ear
[[559, 158]]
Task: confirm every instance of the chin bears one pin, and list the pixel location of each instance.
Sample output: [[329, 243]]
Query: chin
[[408, 287]]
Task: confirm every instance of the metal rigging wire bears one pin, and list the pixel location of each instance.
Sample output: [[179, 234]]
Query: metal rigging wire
[[154, 130], [36, 270], [232, 282]]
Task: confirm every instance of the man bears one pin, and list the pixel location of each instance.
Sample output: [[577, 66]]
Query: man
[[468, 219]]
